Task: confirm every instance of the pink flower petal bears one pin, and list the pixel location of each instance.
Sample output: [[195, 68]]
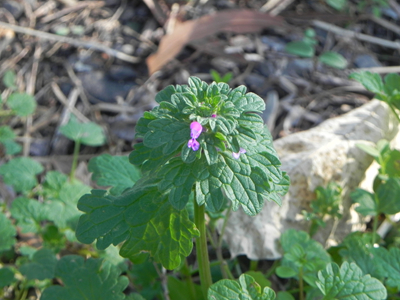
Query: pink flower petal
[[195, 129], [194, 144]]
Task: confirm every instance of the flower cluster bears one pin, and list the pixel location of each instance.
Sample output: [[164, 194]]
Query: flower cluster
[[237, 155], [195, 131]]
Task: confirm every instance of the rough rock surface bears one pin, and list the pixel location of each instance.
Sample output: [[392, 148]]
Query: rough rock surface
[[313, 158]]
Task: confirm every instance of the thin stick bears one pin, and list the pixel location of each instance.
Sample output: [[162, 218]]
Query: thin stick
[[379, 70], [10, 63], [388, 25], [71, 41], [67, 10], [30, 89], [355, 35], [61, 97]]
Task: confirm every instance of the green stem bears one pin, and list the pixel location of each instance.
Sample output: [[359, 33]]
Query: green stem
[[395, 113], [271, 270], [6, 113], [185, 270], [301, 284], [374, 228], [253, 265], [375, 222], [201, 249], [74, 160]]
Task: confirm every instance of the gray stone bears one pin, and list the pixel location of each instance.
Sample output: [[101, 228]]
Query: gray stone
[[366, 61], [313, 158]]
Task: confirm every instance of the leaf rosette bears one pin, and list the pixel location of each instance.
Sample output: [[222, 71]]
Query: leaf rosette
[[235, 159], [206, 140]]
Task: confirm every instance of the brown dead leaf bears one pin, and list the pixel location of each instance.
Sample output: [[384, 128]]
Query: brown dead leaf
[[237, 21]]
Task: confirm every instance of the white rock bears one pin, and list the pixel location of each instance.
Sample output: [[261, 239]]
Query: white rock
[[313, 158]]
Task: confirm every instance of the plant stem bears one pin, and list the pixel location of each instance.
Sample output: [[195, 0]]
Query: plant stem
[[201, 249], [271, 270], [374, 228], [253, 265], [185, 270], [77, 147], [375, 222], [301, 287], [6, 113], [395, 113]]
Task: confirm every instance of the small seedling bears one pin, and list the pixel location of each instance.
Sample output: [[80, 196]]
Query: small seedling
[[217, 77], [306, 48]]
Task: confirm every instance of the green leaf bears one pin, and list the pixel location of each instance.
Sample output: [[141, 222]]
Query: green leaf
[[247, 288], [392, 83], [389, 195], [21, 173], [42, 267], [333, 59], [371, 150], [150, 160], [302, 252], [115, 171], [6, 133], [143, 218], [146, 279], [7, 233], [53, 183], [165, 94], [349, 282], [337, 4], [179, 179], [167, 133], [357, 248], [64, 212], [182, 290], [9, 79], [209, 192], [6, 138], [285, 272], [366, 200], [12, 147], [389, 263], [300, 48], [284, 296], [250, 103], [328, 200], [28, 213], [371, 81], [21, 104], [91, 279], [135, 296], [6, 277], [392, 163], [89, 133], [238, 185], [260, 278]]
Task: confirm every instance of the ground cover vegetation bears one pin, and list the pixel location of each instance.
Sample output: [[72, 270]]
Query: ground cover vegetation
[[205, 150], [150, 222]]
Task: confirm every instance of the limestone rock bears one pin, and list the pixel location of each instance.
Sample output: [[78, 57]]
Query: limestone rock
[[313, 158]]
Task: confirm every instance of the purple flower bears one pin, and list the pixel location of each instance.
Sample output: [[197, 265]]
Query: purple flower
[[237, 155], [195, 129], [194, 144], [213, 116]]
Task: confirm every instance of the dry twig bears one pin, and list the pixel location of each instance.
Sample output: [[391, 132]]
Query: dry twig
[[61, 97], [355, 35], [71, 41]]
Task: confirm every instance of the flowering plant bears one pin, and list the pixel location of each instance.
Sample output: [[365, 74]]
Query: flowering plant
[[202, 140]]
